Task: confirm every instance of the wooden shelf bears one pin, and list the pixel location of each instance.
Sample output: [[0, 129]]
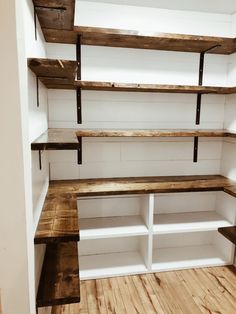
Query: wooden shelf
[[151, 133], [59, 281], [140, 185], [59, 220], [69, 139], [58, 15], [190, 221], [96, 36], [56, 139], [153, 88], [54, 73], [229, 233]]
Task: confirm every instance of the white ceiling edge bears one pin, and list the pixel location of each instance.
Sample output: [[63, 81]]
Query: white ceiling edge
[[209, 6]]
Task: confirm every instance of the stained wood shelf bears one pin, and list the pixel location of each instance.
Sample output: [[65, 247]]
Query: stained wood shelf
[[54, 73], [229, 233], [153, 88], [152, 133], [59, 281], [56, 139], [69, 139], [139, 185], [59, 220], [141, 39], [58, 15]]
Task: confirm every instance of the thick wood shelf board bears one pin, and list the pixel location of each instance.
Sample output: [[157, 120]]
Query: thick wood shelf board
[[229, 233], [152, 88], [58, 221], [56, 139], [55, 14], [59, 282], [150, 133], [140, 185], [143, 40], [54, 72]]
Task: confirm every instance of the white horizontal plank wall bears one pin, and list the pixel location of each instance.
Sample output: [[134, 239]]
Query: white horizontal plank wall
[[100, 14], [38, 123]]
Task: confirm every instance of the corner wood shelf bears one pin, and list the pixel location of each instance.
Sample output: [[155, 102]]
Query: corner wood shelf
[[61, 74], [58, 221], [59, 282], [140, 185], [58, 228], [54, 72], [229, 233]]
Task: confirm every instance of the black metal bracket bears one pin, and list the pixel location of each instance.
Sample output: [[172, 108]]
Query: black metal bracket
[[35, 24], [80, 151], [40, 160], [37, 90], [78, 92], [195, 151], [199, 97]]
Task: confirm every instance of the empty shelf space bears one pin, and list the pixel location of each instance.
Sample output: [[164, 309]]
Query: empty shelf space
[[108, 227], [185, 222], [54, 73], [58, 221], [187, 257], [112, 264], [229, 233], [152, 88], [141, 39], [56, 139], [59, 281], [140, 185]]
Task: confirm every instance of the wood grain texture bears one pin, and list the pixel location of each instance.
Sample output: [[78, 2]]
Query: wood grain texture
[[58, 221], [142, 39], [139, 185], [54, 71], [150, 133], [199, 291], [68, 139], [229, 233], [55, 14], [56, 139], [59, 281], [152, 88]]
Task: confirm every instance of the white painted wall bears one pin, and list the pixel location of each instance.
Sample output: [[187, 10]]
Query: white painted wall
[[37, 124], [151, 19], [117, 158], [16, 220]]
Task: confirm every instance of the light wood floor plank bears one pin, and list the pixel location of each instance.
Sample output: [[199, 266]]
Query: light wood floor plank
[[194, 291]]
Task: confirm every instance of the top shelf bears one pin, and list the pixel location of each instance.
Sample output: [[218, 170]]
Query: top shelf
[[96, 36]]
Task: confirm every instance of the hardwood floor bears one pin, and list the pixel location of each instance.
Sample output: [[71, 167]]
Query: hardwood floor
[[194, 291]]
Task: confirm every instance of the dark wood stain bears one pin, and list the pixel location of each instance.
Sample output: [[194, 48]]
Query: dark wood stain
[[143, 40], [229, 233], [58, 221], [59, 282]]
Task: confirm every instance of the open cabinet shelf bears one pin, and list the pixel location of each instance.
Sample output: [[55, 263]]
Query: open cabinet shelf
[[103, 227], [184, 222]]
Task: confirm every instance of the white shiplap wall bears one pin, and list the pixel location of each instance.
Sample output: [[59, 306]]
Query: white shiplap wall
[[127, 157]]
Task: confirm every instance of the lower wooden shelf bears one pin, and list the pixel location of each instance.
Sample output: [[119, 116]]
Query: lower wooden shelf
[[229, 233], [59, 282]]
